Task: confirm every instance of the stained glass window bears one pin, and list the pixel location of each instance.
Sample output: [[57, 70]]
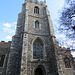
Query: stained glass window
[[38, 49], [37, 25]]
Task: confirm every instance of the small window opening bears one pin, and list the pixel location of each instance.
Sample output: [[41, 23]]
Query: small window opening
[[37, 25], [36, 10]]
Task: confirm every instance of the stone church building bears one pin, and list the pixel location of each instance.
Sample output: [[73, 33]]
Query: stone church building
[[34, 49]]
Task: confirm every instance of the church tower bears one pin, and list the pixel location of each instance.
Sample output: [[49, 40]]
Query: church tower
[[32, 51]]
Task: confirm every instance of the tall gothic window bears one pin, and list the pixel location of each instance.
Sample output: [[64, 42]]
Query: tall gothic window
[[36, 24], [38, 49], [36, 10], [2, 60], [67, 62]]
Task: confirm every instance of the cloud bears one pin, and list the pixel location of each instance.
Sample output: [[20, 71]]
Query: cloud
[[8, 37], [9, 30], [73, 53], [61, 36], [65, 42], [8, 25], [71, 43], [61, 2]]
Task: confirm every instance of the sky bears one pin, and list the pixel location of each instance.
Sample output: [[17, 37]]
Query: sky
[[9, 10]]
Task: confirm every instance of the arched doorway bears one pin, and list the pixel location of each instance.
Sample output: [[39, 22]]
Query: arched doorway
[[39, 71]]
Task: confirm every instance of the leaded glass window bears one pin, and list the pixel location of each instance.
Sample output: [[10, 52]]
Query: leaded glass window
[[38, 49], [67, 63], [37, 25]]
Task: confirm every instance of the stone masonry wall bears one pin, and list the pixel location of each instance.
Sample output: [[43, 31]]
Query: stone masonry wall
[[28, 64], [4, 50]]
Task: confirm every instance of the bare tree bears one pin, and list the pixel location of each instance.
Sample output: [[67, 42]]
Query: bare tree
[[67, 20]]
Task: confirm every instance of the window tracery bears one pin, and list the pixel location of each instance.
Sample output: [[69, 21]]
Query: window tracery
[[36, 24], [38, 49], [36, 10]]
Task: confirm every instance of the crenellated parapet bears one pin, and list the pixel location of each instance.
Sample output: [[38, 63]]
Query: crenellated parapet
[[5, 43], [4, 47]]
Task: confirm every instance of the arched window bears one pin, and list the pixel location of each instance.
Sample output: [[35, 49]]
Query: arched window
[[38, 49], [36, 10], [67, 62], [36, 24], [2, 60]]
